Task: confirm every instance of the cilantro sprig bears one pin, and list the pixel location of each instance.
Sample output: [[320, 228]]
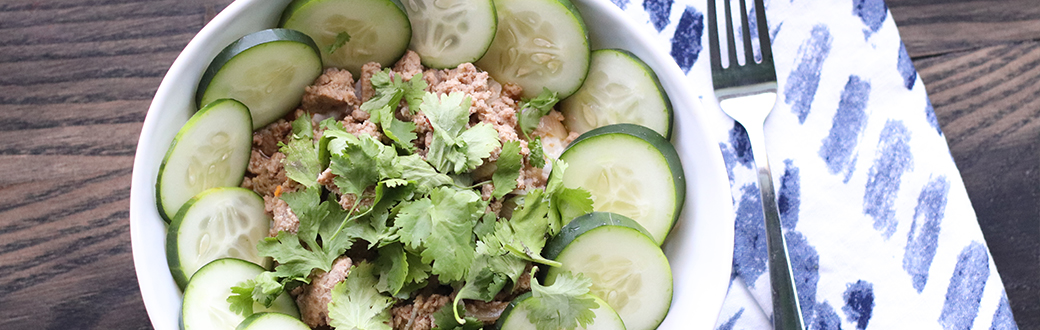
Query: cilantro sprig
[[456, 149], [421, 214]]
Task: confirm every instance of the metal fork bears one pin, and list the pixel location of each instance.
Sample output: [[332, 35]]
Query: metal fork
[[747, 93]]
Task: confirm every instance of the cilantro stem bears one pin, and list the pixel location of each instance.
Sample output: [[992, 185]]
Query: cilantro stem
[[474, 186], [455, 308], [350, 217]]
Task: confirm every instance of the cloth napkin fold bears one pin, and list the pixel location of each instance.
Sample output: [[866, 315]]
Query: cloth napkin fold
[[879, 226]]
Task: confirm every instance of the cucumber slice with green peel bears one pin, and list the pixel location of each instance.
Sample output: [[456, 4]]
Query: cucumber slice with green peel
[[351, 33], [514, 317], [217, 223], [628, 269], [205, 303], [272, 321], [620, 88], [211, 150], [266, 70], [539, 44], [448, 33], [630, 170]]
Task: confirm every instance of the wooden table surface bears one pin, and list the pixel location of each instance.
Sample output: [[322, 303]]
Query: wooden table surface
[[76, 78]]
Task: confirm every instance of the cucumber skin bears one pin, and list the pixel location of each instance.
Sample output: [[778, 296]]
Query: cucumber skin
[[191, 121], [245, 325], [655, 139], [245, 43], [509, 308], [297, 4], [585, 223], [172, 233]]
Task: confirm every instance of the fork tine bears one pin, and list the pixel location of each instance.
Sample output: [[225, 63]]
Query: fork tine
[[745, 29], [763, 32], [713, 38], [731, 44]]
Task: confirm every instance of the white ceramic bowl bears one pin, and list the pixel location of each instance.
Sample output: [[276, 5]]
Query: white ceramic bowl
[[699, 248]]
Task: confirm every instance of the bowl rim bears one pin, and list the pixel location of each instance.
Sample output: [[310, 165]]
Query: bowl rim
[[713, 213]]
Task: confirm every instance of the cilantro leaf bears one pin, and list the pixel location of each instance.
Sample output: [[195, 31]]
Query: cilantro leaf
[[563, 305], [390, 90], [401, 132], [414, 168], [241, 298], [393, 266], [565, 203], [341, 39], [371, 225], [441, 227], [388, 94], [415, 223], [360, 162], [294, 261], [531, 111], [447, 114], [509, 164], [301, 157], [524, 234], [357, 304], [479, 141], [414, 91], [302, 128], [455, 149], [400, 270]]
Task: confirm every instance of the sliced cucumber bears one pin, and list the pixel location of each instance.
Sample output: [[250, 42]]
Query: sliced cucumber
[[448, 33], [628, 269], [210, 150], [272, 321], [539, 44], [630, 170], [266, 70], [217, 223], [351, 33], [205, 298], [620, 88], [514, 317]]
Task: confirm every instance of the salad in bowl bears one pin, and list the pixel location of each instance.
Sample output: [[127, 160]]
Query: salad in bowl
[[376, 164]]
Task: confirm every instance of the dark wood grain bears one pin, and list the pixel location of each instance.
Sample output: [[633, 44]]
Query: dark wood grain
[[76, 77], [933, 27], [980, 62]]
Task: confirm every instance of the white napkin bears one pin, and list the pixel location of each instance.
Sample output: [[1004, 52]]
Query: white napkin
[[878, 223]]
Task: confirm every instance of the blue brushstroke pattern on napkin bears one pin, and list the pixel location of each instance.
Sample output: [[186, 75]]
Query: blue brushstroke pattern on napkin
[[880, 230]]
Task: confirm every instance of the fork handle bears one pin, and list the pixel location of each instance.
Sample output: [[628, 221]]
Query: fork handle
[[787, 313]]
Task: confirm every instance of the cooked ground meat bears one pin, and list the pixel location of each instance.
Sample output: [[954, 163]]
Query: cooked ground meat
[[409, 65], [367, 70], [418, 315], [332, 91], [267, 138], [314, 298], [265, 175], [283, 219]]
